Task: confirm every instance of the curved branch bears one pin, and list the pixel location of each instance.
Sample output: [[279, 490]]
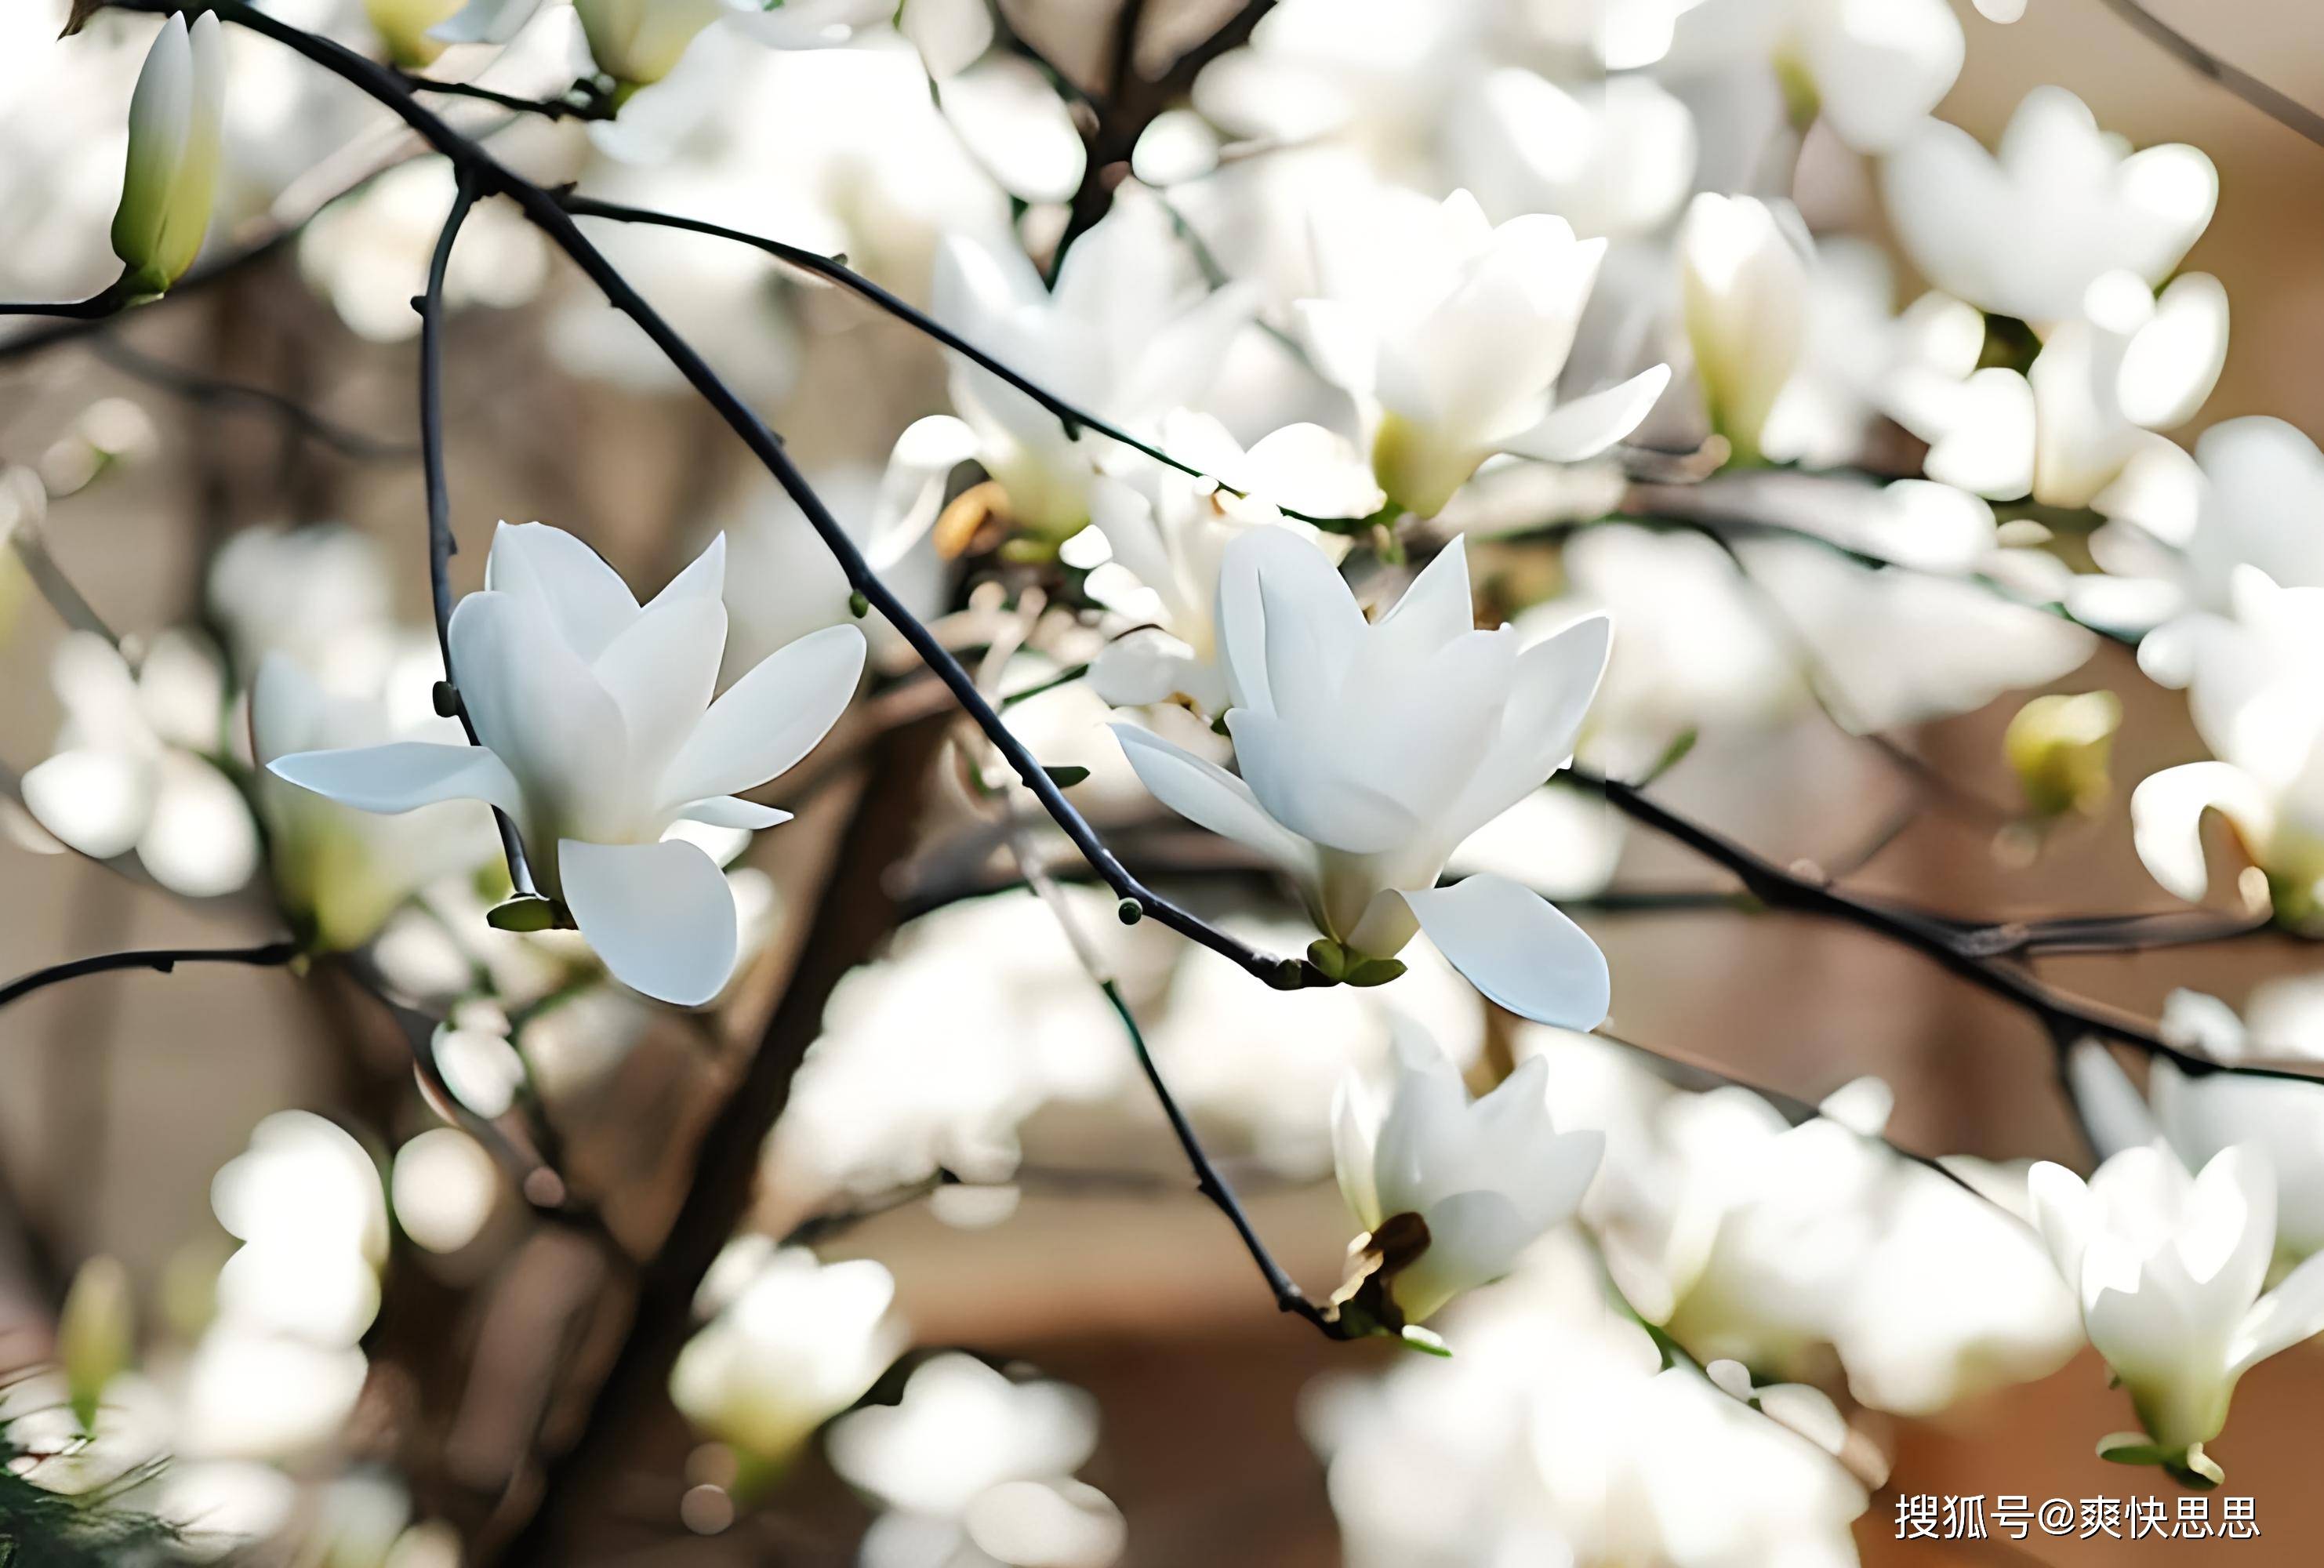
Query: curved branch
[[203, 389], [1074, 417], [586, 101], [111, 301], [162, 960], [2287, 111]]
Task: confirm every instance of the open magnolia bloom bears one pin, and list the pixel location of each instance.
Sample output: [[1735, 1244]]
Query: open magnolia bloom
[[2026, 231], [1871, 70], [176, 131], [1169, 531], [1129, 334], [2251, 496], [1451, 1192], [1371, 750], [2255, 689], [2200, 1116], [596, 732], [1451, 335], [2169, 1269]]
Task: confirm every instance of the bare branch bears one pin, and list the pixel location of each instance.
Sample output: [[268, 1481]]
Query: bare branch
[[162, 960]]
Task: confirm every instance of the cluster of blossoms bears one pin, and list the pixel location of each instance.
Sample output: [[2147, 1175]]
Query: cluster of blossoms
[[1371, 322]]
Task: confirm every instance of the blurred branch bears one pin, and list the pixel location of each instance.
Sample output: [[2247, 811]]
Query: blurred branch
[[111, 301], [1073, 418], [853, 912], [205, 391], [1959, 948], [162, 960], [2287, 111]]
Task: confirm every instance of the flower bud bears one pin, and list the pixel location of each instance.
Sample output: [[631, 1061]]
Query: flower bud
[[1746, 291], [175, 132], [95, 1334], [638, 42], [402, 25], [2059, 747]]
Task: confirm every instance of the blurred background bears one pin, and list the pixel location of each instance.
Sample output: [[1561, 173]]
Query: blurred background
[[1093, 1370]]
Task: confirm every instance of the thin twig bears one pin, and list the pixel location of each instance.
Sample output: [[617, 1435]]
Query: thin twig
[[1071, 415], [113, 299], [2287, 111], [584, 101], [203, 389], [162, 960]]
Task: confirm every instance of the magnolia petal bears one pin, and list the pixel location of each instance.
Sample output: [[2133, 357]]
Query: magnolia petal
[[533, 701], [1207, 795], [584, 598], [1267, 569], [1473, 1238], [2293, 1312], [1518, 949], [2166, 820], [733, 811], [1279, 764], [1146, 664], [1588, 425], [2110, 1106], [200, 840], [1435, 609], [662, 670], [767, 720], [704, 581], [2065, 1213], [911, 490], [659, 915], [96, 801], [402, 776], [485, 22], [1352, 1153]]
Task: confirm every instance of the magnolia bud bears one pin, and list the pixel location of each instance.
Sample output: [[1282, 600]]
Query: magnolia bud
[[402, 25], [1746, 292], [175, 119], [638, 42], [95, 1334], [2059, 747]]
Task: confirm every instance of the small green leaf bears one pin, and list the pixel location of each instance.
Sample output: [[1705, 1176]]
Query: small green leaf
[[525, 913], [1066, 778], [1373, 971], [1328, 956]]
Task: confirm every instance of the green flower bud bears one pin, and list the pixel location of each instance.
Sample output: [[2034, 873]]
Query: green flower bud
[[176, 118], [2059, 746]]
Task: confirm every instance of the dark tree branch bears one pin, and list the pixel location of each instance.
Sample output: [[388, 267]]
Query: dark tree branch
[[207, 390], [1075, 419], [1953, 947], [584, 101], [162, 960], [2287, 111], [111, 301]]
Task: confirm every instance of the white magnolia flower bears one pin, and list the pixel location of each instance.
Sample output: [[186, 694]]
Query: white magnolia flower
[[2169, 1269], [2199, 1116], [1450, 336], [960, 1430], [2256, 691], [1371, 750], [1613, 158], [176, 129], [1873, 69], [1129, 333], [1862, 358], [1486, 1179], [1168, 532], [1745, 284], [2253, 495], [2026, 231], [638, 42], [130, 768], [597, 734], [798, 1343]]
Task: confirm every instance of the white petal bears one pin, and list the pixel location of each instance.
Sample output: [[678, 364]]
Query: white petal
[[1207, 795], [2110, 1106], [1518, 949], [1275, 564], [96, 801], [402, 776], [731, 811], [535, 703], [1473, 1238], [1880, 68], [704, 581], [2293, 1311], [770, 718], [1307, 795], [661, 673], [659, 915], [2166, 820], [1435, 609], [584, 598], [1590, 424], [2174, 360], [1351, 1152], [2065, 1213], [485, 22], [200, 840]]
